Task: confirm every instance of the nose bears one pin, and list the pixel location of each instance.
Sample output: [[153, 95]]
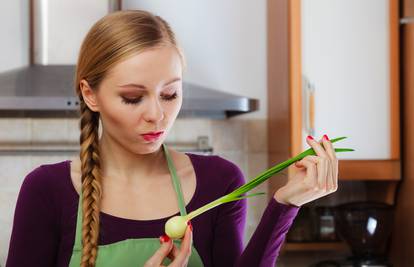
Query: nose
[[154, 111]]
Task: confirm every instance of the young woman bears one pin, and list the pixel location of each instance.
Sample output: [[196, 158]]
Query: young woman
[[109, 206]]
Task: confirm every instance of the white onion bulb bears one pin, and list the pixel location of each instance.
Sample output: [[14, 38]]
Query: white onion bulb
[[175, 227]]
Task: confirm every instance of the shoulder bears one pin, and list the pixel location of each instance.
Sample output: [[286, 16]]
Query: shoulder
[[44, 179], [221, 171], [40, 198], [46, 173]]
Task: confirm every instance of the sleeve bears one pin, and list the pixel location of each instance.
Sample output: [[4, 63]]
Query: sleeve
[[34, 238], [265, 243]]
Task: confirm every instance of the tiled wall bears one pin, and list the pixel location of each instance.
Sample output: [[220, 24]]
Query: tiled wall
[[245, 143], [241, 141]]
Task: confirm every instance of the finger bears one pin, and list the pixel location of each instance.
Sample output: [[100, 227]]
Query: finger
[[313, 188], [323, 173], [318, 176], [335, 174], [311, 171], [173, 253], [317, 147], [333, 168], [334, 161], [185, 248], [329, 148], [329, 180], [160, 254], [332, 178]]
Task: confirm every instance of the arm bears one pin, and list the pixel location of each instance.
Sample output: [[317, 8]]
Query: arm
[[265, 243], [34, 238], [317, 177]]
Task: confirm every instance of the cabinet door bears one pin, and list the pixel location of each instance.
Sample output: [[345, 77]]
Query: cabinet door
[[346, 81]]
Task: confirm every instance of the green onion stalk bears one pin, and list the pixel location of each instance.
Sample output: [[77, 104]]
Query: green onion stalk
[[175, 226]]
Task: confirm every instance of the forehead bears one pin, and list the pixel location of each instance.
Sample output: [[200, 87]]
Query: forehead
[[150, 66]]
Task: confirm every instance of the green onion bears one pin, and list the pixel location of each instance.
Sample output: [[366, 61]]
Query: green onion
[[175, 226]]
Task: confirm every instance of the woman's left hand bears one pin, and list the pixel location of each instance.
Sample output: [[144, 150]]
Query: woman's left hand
[[317, 176]]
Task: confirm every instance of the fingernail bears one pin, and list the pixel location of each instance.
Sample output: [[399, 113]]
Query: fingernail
[[310, 137], [190, 225], [164, 238], [326, 137]]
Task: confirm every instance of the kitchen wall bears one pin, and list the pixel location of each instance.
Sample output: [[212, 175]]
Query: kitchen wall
[[224, 43], [240, 141]]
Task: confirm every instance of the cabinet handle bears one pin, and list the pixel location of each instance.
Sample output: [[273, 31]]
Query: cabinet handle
[[312, 110], [309, 106]]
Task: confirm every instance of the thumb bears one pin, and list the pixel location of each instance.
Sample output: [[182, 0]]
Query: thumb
[[166, 246]]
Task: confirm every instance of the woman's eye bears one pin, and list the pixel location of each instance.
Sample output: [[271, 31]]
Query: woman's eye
[[170, 97], [131, 100], [139, 99]]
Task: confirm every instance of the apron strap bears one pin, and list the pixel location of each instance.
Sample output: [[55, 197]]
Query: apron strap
[[176, 182], [177, 188], [78, 236]]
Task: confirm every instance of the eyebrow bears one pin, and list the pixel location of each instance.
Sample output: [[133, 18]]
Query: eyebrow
[[143, 87]]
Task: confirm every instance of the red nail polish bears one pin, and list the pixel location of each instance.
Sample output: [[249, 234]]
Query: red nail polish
[[326, 137], [164, 238], [190, 225], [310, 137]]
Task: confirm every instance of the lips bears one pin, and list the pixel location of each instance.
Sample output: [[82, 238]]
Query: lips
[[152, 136]]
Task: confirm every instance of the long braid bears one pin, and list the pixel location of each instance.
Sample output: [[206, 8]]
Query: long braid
[[110, 40], [91, 184]]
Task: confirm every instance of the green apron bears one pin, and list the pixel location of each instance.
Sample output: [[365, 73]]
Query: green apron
[[132, 252]]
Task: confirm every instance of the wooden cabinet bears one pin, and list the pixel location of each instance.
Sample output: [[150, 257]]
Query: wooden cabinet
[[333, 68]]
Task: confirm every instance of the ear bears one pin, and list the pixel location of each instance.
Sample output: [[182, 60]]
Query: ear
[[89, 96]]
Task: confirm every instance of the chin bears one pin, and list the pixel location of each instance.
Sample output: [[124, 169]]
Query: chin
[[149, 148]]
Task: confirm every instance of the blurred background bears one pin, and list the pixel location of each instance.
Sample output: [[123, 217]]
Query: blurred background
[[261, 76]]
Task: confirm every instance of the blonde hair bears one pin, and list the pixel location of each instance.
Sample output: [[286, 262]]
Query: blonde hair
[[110, 40]]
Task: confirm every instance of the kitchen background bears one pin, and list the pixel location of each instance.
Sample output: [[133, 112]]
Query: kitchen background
[[284, 67]]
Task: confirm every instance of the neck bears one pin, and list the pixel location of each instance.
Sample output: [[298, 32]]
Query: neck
[[122, 164]]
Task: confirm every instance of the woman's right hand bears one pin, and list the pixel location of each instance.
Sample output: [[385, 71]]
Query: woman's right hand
[[179, 256]]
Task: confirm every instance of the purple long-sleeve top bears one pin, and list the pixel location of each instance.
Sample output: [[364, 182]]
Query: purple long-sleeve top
[[44, 223]]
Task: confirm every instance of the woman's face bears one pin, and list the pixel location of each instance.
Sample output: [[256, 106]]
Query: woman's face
[[141, 94]]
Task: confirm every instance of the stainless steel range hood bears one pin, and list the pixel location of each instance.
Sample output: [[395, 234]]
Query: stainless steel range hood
[[48, 91], [45, 87]]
